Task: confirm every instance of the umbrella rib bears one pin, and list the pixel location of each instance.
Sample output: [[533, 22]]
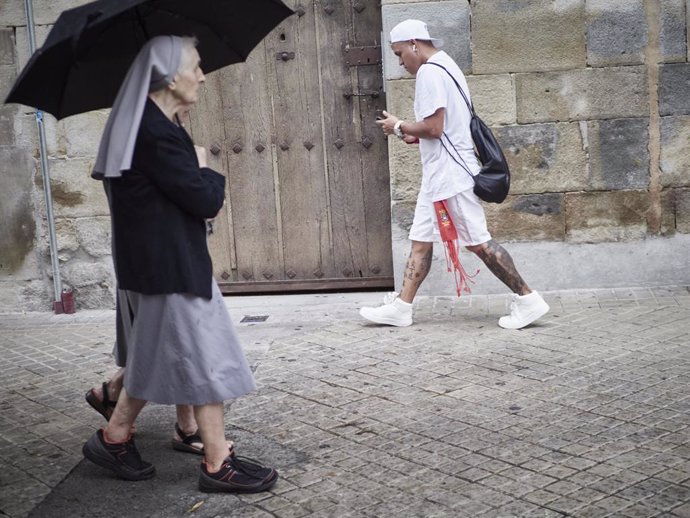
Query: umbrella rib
[[91, 46], [210, 28]]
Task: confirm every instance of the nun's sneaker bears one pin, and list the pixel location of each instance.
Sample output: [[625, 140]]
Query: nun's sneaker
[[524, 309], [122, 458], [237, 475], [394, 312]]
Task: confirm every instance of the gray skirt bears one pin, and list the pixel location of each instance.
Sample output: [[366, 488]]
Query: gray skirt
[[179, 349]]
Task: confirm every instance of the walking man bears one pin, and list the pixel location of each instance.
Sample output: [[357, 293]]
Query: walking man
[[442, 127]]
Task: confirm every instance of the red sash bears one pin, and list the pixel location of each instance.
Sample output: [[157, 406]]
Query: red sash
[[449, 236]]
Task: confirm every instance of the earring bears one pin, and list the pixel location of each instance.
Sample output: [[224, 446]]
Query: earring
[[414, 48]]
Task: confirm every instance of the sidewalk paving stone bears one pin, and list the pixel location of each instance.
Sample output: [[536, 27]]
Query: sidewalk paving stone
[[584, 414]]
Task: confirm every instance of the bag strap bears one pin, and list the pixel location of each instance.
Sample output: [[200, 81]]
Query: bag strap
[[471, 109], [462, 163], [467, 102]]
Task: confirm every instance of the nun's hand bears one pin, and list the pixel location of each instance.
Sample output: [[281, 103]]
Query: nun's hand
[[201, 156]]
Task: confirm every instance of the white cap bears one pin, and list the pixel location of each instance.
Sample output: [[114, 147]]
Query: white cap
[[413, 30]]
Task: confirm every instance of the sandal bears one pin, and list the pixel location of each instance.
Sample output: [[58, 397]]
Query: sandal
[[187, 443], [105, 407]]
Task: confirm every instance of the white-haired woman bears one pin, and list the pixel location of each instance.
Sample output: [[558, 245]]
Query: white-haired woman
[[178, 339]]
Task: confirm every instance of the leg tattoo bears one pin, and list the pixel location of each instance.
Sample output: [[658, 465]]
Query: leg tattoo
[[416, 270], [498, 260]]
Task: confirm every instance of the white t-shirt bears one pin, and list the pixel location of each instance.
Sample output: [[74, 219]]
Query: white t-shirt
[[442, 177]]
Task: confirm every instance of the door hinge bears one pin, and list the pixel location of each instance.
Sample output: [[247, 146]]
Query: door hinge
[[358, 56]]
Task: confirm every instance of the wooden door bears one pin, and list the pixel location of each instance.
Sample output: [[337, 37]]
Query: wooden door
[[308, 195]]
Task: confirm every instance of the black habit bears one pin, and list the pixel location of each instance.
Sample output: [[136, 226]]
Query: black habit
[[158, 210]]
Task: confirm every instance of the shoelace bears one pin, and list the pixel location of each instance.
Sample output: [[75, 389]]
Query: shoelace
[[128, 450], [245, 465]]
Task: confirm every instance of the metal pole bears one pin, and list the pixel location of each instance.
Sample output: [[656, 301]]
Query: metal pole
[[57, 283]]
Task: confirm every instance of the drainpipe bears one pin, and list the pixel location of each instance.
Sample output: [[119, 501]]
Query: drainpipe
[[57, 283]]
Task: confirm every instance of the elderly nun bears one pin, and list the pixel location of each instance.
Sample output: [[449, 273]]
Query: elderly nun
[[176, 336]]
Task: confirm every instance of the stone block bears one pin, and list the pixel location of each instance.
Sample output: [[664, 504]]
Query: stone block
[[673, 31], [400, 98], [448, 20], [18, 228], [99, 295], [94, 235], [66, 237], [405, 162], [595, 93], [36, 295], [597, 217], [6, 47], [493, 97], [78, 273], [405, 169], [675, 159], [75, 193], [7, 117], [393, 2], [10, 300], [22, 41], [8, 74], [674, 85], [527, 36], [535, 217], [80, 135], [92, 281], [26, 134], [55, 136], [77, 136], [619, 155], [687, 24], [682, 204], [667, 209], [402, 215], [616, 32], [8, 112], [45, 12], [544, 157]]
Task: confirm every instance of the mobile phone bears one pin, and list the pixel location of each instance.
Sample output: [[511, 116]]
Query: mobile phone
[[379, 115]]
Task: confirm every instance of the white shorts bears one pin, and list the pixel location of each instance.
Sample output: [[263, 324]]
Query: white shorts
[[466, 212]]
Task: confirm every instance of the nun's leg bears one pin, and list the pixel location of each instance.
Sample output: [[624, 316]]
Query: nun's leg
[[187, 437], [212, 430]]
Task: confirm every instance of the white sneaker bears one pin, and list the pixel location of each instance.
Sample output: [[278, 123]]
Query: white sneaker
[[524, 310], [389, 297], [394, 312]]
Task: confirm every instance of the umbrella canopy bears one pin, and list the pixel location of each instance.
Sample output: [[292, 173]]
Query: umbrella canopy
[[89, 50]]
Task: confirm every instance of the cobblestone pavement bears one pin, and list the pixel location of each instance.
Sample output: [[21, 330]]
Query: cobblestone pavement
[[585, 414]]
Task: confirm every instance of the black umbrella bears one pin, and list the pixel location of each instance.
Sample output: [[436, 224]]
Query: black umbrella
[[89, 50]]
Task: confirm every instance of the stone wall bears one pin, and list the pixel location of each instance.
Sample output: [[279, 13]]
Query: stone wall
[[80, 209], [589, 99]]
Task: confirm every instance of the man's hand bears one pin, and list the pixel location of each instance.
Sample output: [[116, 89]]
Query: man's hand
[[409, 139], [388, 123]]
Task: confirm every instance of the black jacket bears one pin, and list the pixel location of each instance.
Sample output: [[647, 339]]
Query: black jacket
[[158, 211]]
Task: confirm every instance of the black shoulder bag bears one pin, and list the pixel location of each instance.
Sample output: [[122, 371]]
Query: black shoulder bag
[[492, 182]]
